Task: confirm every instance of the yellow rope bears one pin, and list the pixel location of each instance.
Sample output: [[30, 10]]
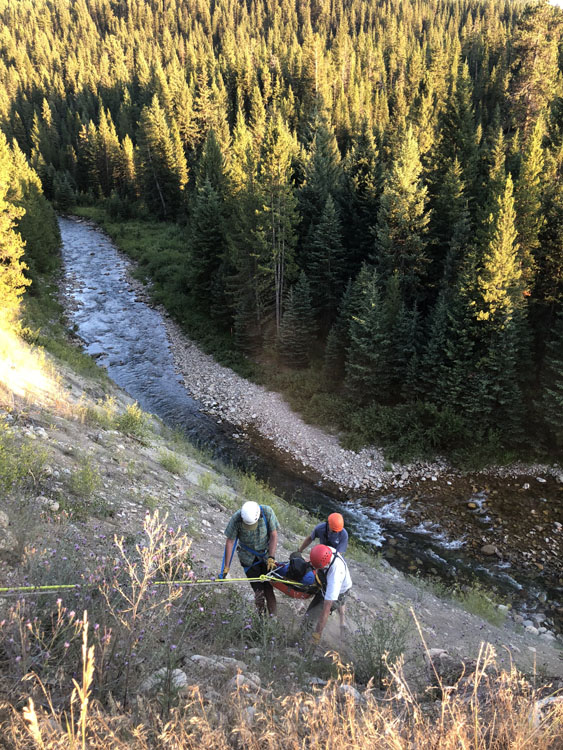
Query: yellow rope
[[265, 578]]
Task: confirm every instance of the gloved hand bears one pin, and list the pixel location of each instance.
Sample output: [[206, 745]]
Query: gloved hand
[[223, 575], [271, 563], [316, 638]]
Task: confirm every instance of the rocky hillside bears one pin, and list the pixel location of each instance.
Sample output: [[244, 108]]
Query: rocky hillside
[[82, 466]]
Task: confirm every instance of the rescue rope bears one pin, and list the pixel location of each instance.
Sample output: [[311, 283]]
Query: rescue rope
[[46, 589]]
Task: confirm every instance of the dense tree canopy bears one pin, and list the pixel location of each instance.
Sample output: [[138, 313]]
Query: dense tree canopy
[[370, 185]]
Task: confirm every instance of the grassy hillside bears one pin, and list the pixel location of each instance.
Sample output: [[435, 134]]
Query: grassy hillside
[[103, 497]]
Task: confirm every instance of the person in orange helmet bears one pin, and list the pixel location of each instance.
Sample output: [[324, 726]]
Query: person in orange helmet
[[332, 533]]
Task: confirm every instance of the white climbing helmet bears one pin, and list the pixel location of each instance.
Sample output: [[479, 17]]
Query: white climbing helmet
[[250, 513]]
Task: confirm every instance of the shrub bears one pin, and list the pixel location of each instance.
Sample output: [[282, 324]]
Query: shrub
[[83, 482], [478, 601], [171, 462], [409, 431], [204, 481], [380, 642], [133, 422], [20, 462]]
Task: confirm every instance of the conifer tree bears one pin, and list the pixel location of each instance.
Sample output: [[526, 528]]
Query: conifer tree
[[338, 340], [363, 173], [402, 220], [500, 280], [279, 208], [325, 263], [367, 374], [534, 67], [208, 251], [12, 279], [528, 196], [297, 329], [162, 175], [38, 225], [324, 176], [552, 381]]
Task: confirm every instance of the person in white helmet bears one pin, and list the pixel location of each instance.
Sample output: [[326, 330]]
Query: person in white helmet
[[254, 530]]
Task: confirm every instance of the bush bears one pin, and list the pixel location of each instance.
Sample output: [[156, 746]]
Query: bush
[[86, 480], [409, 431], [171, 462], [378, 643], [20, 462], [133, 422]]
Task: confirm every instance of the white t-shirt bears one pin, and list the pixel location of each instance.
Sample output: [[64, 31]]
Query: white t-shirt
[[338, 580]]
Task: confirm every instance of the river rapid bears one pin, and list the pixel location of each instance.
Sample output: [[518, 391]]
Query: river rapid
[[503, 527]]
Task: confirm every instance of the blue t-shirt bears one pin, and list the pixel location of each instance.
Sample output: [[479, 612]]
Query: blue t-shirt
[[336, 539]]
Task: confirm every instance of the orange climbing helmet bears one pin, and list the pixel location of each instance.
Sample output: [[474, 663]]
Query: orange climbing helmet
[[335, 522], [321, 555]]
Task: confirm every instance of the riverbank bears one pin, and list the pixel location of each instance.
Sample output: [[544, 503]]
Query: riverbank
[[90, 468], [491, 517]]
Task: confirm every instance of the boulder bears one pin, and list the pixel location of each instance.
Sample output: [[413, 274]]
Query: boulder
[[159, 679], [489, 549], [241, 681], [349, 691]]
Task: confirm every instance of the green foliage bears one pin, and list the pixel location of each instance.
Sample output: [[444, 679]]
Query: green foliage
[[409, 431], [380, 642], [204, 481], [133, 421], [85, 480], [297, 329], [12, 279], [480, 602], [172, 462], [318, 151], [21, 462]]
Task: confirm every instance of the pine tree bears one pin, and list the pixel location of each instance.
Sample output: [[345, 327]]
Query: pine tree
[[450, 227], [367, 373], [402, 220], [528, 196], [323, 176], [279, 209], [534, 67], [338, 340], [208, 250], [500, 280], [12, 279], [38, 225], [160, 173], [552, 381], [297, 329], [363, 172], [325, 264]]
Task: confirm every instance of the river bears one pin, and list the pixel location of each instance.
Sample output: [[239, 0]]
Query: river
[[129, 338]]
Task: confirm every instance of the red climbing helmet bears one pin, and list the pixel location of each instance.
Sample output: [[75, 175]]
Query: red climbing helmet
[[321, 555]]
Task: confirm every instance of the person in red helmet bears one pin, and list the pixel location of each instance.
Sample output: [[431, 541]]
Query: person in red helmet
[[331, 532], [334, 577]]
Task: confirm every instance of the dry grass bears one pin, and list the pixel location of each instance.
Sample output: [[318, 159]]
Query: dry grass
[[491, 714], [27, 376], [59, 692]]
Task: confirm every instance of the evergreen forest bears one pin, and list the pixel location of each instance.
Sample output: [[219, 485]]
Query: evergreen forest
[[366, 195]]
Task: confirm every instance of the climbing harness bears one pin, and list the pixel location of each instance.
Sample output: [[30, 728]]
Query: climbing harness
[[259, 555]]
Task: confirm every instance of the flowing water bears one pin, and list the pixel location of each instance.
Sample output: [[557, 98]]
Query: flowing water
[[128, 337]]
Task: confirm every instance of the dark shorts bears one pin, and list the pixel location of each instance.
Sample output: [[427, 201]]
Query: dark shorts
[[318, 599]]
